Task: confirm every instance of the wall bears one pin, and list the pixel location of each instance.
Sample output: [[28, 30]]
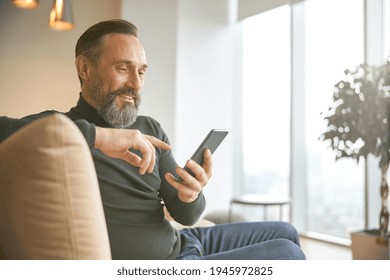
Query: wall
[[37, 64]]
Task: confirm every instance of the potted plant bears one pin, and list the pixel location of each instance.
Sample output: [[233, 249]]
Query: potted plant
[[358, 125]]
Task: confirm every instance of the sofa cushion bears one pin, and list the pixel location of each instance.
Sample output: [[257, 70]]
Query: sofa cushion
[[224, 217], [50, 204]]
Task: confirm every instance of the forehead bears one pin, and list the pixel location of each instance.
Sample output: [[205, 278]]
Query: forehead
[[119, 47]]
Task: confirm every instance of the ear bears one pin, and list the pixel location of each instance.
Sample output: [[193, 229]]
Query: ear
[[83, 66]]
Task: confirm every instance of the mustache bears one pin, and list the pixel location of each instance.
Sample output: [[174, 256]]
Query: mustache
[[126, 91]]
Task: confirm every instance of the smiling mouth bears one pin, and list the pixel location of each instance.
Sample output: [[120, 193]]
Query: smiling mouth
[[127, 98]]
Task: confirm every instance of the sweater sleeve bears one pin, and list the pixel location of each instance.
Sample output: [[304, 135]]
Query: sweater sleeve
[[184, 213], [9, 126], [87, 129]]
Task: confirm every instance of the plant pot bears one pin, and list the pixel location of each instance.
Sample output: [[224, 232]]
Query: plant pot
[[369, 245]]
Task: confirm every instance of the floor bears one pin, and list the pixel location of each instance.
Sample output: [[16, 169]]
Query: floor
[[320, 250], [314, 249]]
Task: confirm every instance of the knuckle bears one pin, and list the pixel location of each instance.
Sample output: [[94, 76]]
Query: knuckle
[[137, 132]]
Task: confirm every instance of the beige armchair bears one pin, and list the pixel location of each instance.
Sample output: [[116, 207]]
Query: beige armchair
[[50, 206]]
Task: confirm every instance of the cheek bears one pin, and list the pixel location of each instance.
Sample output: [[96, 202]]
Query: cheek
[[104, 85], [115, 82]]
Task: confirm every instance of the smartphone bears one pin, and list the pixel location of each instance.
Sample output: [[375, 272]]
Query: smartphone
[[213, 139]]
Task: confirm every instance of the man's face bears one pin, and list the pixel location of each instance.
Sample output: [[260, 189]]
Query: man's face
[[116, 81]]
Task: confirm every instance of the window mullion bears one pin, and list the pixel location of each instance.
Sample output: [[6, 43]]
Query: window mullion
[[298, 182]]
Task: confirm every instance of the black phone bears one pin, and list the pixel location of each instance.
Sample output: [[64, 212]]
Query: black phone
[[213, 139]]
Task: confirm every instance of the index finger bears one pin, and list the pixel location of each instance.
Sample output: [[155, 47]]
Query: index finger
[[158, 143]]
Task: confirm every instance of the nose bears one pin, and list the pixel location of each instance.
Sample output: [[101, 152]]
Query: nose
[[134, 80]]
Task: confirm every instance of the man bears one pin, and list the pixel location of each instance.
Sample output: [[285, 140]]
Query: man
[[136, 169]]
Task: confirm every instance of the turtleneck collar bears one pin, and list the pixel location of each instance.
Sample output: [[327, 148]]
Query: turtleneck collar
[[87, 112]]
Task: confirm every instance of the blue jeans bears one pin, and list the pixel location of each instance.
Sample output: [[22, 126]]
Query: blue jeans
[[241, 241]]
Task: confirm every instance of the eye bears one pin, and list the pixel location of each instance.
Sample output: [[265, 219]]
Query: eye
[[121, 68]]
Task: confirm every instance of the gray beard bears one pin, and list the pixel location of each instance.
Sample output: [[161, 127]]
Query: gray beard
[[108, 109], [115, 116]]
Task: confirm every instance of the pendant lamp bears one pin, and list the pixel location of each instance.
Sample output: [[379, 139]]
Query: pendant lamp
[[61, 15], [26, 4]]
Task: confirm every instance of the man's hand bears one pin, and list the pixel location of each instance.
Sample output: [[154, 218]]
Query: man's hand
[[191, 186], [116, 143]]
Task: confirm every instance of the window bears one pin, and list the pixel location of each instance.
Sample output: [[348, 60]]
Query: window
[[266, 102], [335, 189], [333, 41]]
